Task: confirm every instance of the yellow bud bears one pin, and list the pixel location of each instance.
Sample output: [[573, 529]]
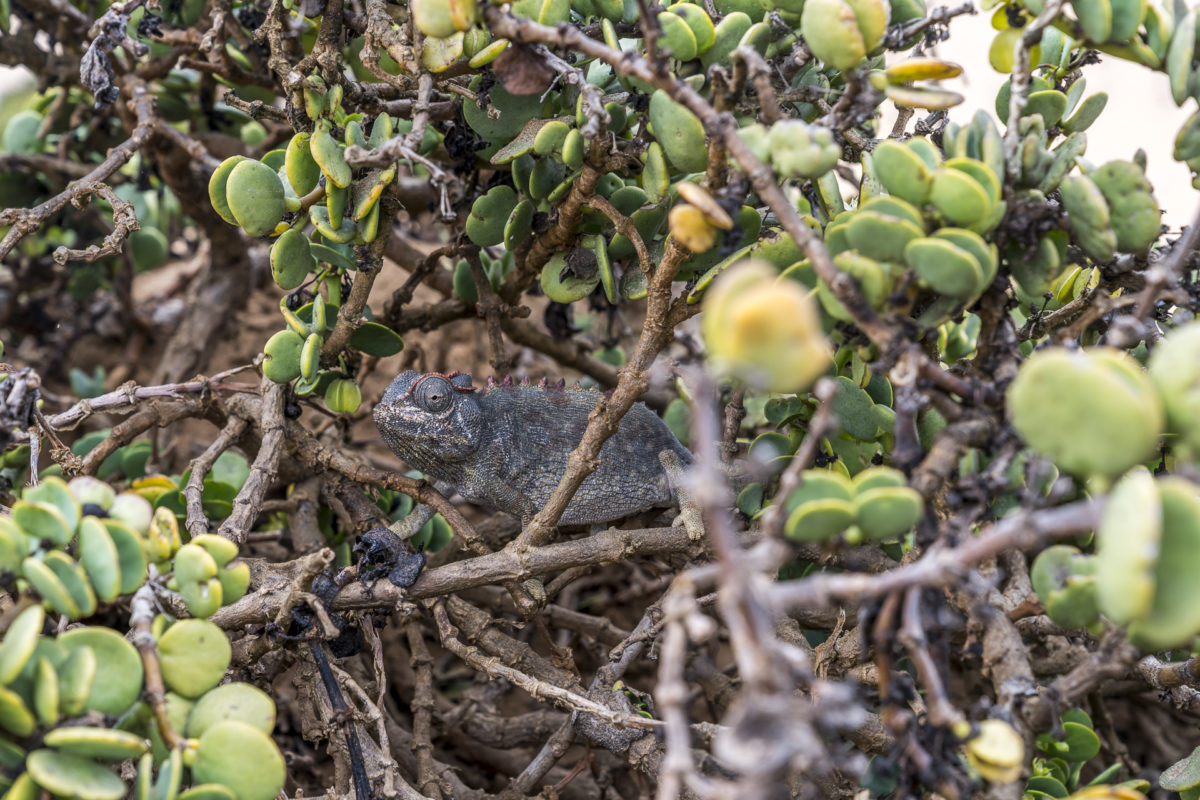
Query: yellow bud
[[997, 752], [765, 329], [691, 228]]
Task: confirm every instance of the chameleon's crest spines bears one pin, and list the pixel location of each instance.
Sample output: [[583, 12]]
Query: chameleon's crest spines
[[543, 383], [491, 381], [525, 381], [562, 384], [508, 381]]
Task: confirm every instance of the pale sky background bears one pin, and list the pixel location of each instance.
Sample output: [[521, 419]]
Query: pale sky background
[[1140, 111]]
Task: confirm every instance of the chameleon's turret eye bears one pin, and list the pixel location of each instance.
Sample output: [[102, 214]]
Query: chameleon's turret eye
[[434, 394]]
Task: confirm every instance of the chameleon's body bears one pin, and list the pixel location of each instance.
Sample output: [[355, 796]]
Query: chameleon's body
[[506, 445]]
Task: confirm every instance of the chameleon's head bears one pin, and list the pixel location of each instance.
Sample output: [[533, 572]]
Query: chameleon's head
[[430, 419]]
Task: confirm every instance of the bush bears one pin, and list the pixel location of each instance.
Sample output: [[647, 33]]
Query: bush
[[939, 512]]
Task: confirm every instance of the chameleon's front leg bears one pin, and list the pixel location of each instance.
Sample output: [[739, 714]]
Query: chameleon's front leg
[[689, 512]]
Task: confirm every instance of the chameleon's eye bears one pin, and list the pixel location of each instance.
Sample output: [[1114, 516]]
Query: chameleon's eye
[[433, 394]]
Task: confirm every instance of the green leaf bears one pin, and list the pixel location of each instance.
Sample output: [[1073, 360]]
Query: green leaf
[[376, 340]]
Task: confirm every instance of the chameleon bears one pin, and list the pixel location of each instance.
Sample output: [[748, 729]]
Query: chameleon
[[505, 445]]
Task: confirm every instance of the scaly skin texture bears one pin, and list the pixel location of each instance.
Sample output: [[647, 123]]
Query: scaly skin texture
[[506, 445]]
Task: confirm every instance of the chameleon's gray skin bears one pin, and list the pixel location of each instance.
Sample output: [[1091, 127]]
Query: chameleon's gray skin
[[506, 445]]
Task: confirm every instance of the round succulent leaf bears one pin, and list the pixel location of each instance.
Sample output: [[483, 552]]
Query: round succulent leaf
[[1136, 219], [881, 237], [17, 646], [921, 69], [440, 53], [377, 340], [23, 787], [488, 54], [12, 755], [14, 545], [1127, 547], [871, 279], [677, 37], [819, 484], [74, 777], [1082, 743], [221, 549], [958, 197], [519, 224], [1074, 606], [549, 137], [1175, 369], [15, 716], [545, 179], [46, 693], [241, 757], [54, 491], [130, 553], [514, 112], [973, 243], [945, 267], [679, 132], [888, 206], [235, 581], [208, 791], [194, 655], [750, 499], [853, 408], [193, 564], [633, 284], [255, 197], [489, 213], [699, 22], [292, 259], [726, 37], [1086, 206], [202, 598], [1174, 617], [1183, 774], [566, 288], [832, 31], [902, 172], [981, 172], [887, 511], [100, 560], [76, 673], [1050, 104], [1054, 565], [217, 188], [170, 777], [818, 520], [1096, 18], [42, 521], [1091, 412], [879, 477], [1086, 114], [123, 674], [282, 351], [106, 744], [299, 166], [49, 587], [232, 701]]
